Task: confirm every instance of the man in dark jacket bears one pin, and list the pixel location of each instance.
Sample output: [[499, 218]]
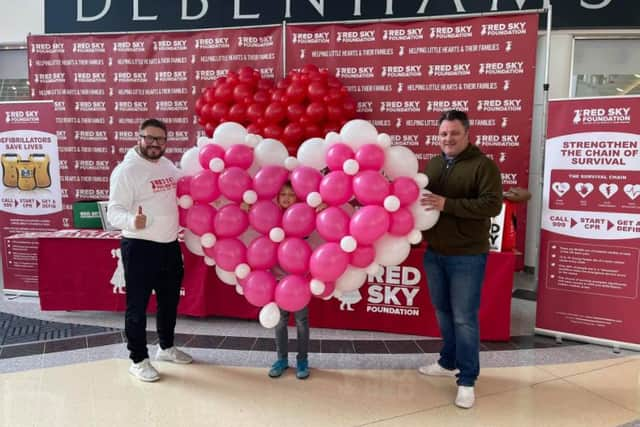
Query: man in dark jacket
[[466, 188]]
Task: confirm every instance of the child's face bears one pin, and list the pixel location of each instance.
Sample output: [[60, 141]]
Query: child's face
[[286, 197]]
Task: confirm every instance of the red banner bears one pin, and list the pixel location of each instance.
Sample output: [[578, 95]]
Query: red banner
[[405, 74], [590, 239]]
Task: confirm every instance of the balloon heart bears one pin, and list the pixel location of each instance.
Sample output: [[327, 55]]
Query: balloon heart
[[307, 103], [280, 230]]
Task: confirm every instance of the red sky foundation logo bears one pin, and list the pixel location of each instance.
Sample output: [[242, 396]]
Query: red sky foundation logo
[[592, 116], [21, 117]]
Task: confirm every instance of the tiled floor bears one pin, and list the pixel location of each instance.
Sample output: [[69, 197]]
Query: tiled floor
[[358, 378]]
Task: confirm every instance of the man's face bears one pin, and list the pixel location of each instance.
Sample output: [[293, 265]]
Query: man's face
[[453, 137], [286, 197], [152, 142]]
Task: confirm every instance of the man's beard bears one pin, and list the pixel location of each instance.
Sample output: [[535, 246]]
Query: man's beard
[[150, 152]]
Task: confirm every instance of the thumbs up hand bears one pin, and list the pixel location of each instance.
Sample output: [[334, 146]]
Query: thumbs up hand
[[140, 219]]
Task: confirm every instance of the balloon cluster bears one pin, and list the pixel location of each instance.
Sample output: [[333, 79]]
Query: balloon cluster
[[358, 209], [307, 103]]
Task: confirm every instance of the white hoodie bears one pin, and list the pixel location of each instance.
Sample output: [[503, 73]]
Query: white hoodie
[[151, 185]]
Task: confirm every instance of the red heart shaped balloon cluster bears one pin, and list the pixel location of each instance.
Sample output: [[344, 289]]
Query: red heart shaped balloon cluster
[[308, 103]]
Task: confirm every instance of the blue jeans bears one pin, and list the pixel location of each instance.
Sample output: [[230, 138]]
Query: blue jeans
[[455, 284], [282, 334]]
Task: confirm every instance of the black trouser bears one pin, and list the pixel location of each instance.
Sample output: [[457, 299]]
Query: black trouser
[[150, 266]]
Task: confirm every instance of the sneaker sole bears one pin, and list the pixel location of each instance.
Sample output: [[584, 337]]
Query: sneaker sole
[[277, 375], [150, 380], [443, 374], [300, 377], [179, 362]]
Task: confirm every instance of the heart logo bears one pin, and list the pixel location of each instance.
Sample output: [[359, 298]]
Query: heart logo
[[560, 188], [608, 190], [584, 188], [632, 190]]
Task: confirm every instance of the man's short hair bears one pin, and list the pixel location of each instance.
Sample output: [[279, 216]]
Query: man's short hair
[[452, 115], [154, 123]]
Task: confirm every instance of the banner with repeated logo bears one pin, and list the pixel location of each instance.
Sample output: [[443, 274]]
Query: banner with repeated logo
[[403, 75], [590, 237], [30, 195]]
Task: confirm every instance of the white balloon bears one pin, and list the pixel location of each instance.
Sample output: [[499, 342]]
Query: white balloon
[[348, 244], [270, 152], [249, 197], [227, 277], [229, 133], [252, 140], [337, 293], [203, 140], [290, 163], [269, 315], [276, 234], [242, 271], [391, 250], [317, 286], [312, 153], [192, 242], [391, 203], [358, 132], [314, 199], [400, 161], [351, 167], [207, 240], [423, 219], [209, 261], [384, 140], [239, 289], [422, 180], [351, 279], [189, 162], [414, 237], [373, 269], [185, 201], [332, 138], [216, 164]]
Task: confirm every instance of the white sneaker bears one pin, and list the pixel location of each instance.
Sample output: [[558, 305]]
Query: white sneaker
[[144, 371], [466, 397], [435, 370], [173, 354]]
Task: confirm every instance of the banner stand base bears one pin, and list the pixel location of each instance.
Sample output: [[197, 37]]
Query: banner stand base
[[14, 293], [615, 345]]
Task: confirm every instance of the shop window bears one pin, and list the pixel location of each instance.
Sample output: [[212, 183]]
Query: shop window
[[14, 82], [606, 67]]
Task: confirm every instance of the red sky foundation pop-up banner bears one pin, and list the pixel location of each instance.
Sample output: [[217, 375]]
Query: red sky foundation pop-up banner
[[590, 241]]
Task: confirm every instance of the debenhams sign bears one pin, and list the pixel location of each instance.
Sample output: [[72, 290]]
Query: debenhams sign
[[67, 16]]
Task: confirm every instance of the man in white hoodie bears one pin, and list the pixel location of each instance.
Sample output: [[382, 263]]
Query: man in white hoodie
[[142, 202]]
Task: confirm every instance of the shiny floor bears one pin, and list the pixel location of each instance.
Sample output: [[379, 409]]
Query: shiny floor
[[530, 381]]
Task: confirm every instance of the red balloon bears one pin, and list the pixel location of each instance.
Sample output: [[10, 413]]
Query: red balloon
[[316, 112], [209, 95], [333, 82], [313, 131], [275, 112], [224, 93], [261, 97], [334, 112], [282, 84], [331, 127], [209, 128], [296, 92], [237, 113], [242, 91], [246, 76], [199, 104], [232, 78], [349, 109], [254, 128], [307, 68], [333, 96], [278, 95], [202, 121], [295, 112], [316, 90], [205, 112], [217, 82], [219, 110], [254, 112], [305, 120], [264, 84], [293, 134], [272, 131]]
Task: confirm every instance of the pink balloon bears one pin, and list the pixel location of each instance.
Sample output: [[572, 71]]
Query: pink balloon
[[268, 181], [230, 221], [368, 224], [329, 287], [337, 154], [228, 253], [209, 152], [239, 155], [182, 216], [264, 215], [204, 186], [336, 188], [363, 256], [262, 253], [401, 222], [184, 186], [405, 189], [233, 182], [200, 218], [370, 157], [370, 187], [328, 262], [293, 293], [332, 224], [293, 255], [259, 287], [304, 180], [299, 220]]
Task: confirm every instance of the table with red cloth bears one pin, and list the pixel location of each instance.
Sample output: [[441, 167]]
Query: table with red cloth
[[82, 270]]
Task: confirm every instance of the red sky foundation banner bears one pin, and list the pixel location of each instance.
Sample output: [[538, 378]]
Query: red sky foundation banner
[[104, 86], [590, 241], [403, 75], [30, 194]]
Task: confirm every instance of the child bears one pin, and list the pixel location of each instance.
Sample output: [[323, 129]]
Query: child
[[286, 198]]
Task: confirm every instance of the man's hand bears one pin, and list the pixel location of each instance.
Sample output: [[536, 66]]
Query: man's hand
[[433, 201], [141, 219]]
